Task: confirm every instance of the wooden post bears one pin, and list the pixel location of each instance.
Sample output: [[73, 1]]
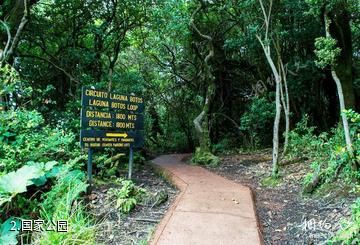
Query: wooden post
[[131, 158], [89, 170]]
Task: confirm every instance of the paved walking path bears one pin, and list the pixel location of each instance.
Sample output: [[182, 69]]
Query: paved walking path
[[209, 209]]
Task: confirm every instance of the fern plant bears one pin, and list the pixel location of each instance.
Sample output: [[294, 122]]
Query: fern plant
[[128, 196]]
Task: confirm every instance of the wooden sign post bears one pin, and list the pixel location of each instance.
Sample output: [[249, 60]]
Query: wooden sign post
[[110, 120]]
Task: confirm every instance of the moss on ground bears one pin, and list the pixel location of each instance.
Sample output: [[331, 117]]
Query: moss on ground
[[270, 181], [205, 158]]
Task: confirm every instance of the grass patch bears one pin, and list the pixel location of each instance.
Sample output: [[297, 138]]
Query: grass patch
[[270, 182], [63, 202]]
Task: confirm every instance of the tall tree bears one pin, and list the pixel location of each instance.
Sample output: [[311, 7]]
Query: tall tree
[[335, 53], [201, 122], [265, 42]]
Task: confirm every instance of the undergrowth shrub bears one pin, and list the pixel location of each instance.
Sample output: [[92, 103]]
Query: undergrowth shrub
[[62, 203], [128, 196], [223, 146], [256, 121], [350, 231], [205, 158], [24, 137], [17, 182], [327, 151], [37, 159]]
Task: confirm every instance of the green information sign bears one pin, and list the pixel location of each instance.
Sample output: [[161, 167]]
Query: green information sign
[[110, 120], [105, 113]]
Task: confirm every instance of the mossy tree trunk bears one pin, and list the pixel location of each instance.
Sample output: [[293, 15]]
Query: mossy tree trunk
[[201, 122]]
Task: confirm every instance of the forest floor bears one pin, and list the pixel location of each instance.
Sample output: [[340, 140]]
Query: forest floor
[[137, 226], [286, 216]]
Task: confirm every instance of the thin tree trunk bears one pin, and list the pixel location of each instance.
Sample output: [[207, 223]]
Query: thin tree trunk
[[266, 48], [342, 108], [15, 41], [339, 91], [275, 167], [275, 162], [286, 104]]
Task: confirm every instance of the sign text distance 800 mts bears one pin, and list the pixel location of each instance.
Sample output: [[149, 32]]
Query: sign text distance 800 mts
[[110, 124]]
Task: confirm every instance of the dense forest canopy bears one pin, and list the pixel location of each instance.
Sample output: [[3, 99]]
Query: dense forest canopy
[[202, 68], [150, 48]]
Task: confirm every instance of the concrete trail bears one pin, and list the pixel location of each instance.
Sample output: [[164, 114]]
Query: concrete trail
[[209, 209]]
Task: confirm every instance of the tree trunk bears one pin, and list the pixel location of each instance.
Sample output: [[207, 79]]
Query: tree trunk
[[339, 91], [286, 104], [266, 48], [201, 122], [275, 162], [10, 49], [342, 108], [339, 28], [275, 167]]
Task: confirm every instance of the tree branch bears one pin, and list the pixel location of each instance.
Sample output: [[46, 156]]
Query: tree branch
[[53, 64], [21, 27], [4, 52]]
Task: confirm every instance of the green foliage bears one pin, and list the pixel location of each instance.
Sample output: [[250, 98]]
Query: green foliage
[[256, 121], [223, 146], [308, 179], [69, 186], [205, 158], [61, 203], [328, 153], [316, 6], [270, 182], [303, 141], [350, 231], [9, 78], [17, 182], [326, 51], [33, 154], [7, 235], [156, 54], [128, 196], [81, 227], [354, 121], [24, 138]]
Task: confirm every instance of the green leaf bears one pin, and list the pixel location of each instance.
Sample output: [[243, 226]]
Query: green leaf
[[54, 172], [39, 181], [13, 183], [4, 198], [16, 182], [50, 165], [7, 236]]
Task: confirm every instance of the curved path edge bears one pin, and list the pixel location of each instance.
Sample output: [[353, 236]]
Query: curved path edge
[[209, 209]]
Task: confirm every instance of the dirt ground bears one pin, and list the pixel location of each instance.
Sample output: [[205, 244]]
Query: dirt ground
[[136, 227], [286, 216]]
